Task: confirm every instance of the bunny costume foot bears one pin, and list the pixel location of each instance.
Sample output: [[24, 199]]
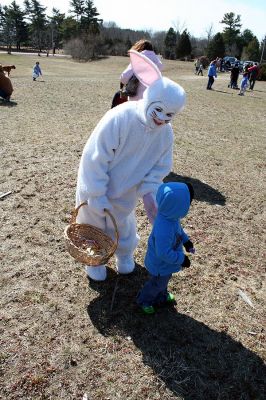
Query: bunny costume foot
[[98, 273], [126, 158], [125, 264]]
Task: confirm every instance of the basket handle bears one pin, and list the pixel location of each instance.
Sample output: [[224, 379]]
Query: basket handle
[[75, 214]]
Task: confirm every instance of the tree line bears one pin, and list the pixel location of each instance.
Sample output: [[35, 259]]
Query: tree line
[[84, 35]]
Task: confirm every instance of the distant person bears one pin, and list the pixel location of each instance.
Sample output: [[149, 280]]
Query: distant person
[[244, 83], [234, 76], [36, 71], [218, 63], [253, 75], [6, 88], [227, 65], [211, 74], [118, 98], [144, 47], [166, 243], [197, 65], [222, 65], [200, 70]]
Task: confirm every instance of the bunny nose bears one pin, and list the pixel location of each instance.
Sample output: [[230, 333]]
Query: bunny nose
[[162, 117]]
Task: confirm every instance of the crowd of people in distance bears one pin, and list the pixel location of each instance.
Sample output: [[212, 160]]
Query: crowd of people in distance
[[250, 74]]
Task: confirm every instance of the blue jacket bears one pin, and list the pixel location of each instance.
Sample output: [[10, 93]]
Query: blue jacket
[[37, 70], [212, 70], [165, 252]]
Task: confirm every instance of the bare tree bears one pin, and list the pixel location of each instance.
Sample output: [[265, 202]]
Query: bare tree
[[209, 31], [158, 41], [179, 26]]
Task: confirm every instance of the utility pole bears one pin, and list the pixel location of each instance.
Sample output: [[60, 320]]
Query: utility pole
[[52, 39], [263, 47]]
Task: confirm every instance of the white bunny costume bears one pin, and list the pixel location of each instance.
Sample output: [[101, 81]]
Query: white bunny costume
[[126, 157]]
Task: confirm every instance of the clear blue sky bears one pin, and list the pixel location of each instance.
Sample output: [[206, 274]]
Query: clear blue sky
[[195, 15]]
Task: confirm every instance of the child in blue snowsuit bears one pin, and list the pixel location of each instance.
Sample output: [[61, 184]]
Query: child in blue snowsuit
[[36, 71], [244, 83], [166, 243]]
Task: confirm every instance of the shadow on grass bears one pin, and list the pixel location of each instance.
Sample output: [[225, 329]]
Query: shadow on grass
[[254, 96], [222, 91], [194, 361], [4, 103], [260, 91], [202, 191]]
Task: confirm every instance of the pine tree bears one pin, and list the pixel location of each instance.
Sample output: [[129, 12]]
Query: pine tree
[[243, 40], [184, 45], [232, 29], [68, 29], [216, 47], [56, 26], [6, 28], [89, 19], [252, 50], [16, 17], [77, 8], [35, 12], [170, 44]]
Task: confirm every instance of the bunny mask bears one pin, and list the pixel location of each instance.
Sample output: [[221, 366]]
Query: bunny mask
[[163, 98]]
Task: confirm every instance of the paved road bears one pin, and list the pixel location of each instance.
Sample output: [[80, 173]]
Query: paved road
[[18, 53]]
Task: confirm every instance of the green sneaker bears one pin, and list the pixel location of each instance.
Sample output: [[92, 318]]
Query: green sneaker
[[148, 309], [170, 298]]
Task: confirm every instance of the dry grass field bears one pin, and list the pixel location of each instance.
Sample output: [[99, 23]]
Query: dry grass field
[[65, 338]]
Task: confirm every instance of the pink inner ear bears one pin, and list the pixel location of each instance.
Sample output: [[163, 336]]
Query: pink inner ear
[[145, 70]]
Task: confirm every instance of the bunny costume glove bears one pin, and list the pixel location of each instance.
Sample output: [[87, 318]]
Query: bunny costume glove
[[99, 204], [126, 157], [150, 206]]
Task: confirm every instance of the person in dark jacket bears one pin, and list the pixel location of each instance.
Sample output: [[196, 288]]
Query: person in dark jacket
[[234, 76], [166, 243], [118, 97]]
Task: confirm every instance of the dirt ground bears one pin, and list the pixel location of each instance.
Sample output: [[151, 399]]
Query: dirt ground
[[63, 337]]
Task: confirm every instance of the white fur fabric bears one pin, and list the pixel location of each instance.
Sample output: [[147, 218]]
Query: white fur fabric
[[123, 158]]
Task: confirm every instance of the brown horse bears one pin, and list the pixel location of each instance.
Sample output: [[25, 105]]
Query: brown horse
[[7, 68]]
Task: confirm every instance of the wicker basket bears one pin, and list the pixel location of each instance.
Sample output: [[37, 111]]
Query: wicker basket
[[78, 237]]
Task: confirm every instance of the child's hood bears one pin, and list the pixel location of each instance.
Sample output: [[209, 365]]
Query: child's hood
[[173, 200]]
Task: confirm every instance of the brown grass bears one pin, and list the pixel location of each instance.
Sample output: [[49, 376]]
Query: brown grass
[[63, 337]]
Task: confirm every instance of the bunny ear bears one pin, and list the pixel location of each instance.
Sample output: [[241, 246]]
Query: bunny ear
[[144, 69]]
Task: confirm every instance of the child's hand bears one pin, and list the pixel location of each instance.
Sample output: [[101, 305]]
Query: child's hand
[[189, 247], [186, 263]]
